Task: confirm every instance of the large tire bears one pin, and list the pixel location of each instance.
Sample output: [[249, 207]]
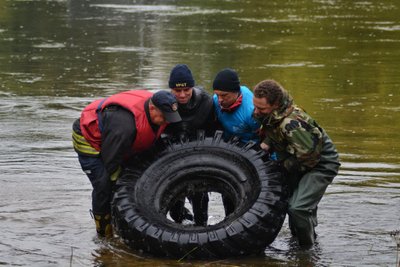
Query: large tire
[[144, 195]]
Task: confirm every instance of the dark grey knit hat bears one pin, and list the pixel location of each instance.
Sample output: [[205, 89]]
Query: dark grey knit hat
[[227, 80], [181, 76]]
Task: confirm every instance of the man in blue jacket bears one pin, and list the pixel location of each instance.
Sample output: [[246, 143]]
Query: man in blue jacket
[[234, 109]]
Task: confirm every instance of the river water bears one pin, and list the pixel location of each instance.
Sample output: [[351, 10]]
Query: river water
[[339, 59]]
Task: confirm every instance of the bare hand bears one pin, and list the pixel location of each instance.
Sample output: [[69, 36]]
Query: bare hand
[[264, 146]]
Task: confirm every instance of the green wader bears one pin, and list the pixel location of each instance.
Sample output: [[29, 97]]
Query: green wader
[[308, 192]]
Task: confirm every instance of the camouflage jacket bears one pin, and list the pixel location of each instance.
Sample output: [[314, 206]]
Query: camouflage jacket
[[294, 136]]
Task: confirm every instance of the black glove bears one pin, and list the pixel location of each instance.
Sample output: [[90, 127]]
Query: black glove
[[183, 137]]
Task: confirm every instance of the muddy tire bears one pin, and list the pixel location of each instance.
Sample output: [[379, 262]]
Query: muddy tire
[[144, 195]]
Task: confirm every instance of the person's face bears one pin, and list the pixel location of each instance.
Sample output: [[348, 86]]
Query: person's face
[[183, 95], [262, 108], [156, 116], [226, 99]]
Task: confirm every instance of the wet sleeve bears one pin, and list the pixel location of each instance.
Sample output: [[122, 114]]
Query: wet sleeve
[[213, 123], [119, 132], [207, 114], [254, 125]]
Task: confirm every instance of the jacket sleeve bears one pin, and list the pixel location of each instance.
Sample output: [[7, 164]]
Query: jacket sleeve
[[213, 122], [119, 132], [304, 142], [254, 125]]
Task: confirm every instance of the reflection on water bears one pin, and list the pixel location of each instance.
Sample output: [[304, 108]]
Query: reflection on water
[[339, 59]]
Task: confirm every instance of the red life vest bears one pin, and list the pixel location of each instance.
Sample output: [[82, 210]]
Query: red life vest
[[131, 100]]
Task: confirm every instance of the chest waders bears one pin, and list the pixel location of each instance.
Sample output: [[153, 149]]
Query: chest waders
[[311, 187]]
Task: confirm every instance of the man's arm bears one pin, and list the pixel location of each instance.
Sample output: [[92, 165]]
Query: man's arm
[[304, 142], [119, 132]]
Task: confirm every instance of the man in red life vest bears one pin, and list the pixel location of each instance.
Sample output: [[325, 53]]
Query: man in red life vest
[[112, 129]]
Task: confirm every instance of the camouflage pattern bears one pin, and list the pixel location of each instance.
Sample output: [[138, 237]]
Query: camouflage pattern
[[294, 135], [309, 156], [299, 143]]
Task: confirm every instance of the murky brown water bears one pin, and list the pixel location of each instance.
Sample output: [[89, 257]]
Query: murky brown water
[[338, 58]]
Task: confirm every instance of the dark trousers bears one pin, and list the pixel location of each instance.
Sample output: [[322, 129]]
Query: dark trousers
[[308, 192], [101, 183], [199, 201], [229, 207], [304, 201]]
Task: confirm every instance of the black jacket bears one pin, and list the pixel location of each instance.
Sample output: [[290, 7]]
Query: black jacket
[[198, 113]]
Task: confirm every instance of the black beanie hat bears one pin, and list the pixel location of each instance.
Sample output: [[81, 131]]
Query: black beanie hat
[[227, 80], [181, 76]]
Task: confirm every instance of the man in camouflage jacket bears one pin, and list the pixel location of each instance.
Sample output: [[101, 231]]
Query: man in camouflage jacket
[[303, 148]]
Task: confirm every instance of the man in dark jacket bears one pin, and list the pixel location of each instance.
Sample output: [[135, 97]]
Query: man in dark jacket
[[303, 148], [195, 106], [112, 129]]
